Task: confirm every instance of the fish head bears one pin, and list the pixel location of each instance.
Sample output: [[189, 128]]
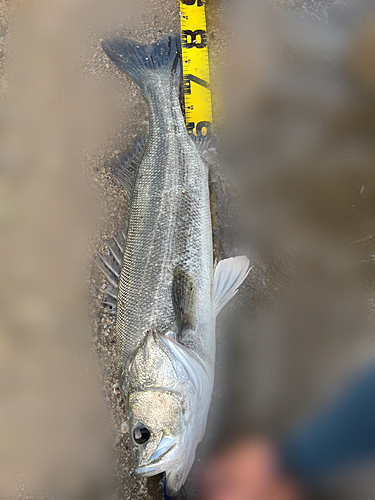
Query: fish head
[[164, 411], [159, 432]]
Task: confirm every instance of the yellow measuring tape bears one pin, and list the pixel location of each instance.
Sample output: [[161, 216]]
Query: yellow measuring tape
[[196, 71]]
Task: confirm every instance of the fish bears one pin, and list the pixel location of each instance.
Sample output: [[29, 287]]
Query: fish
[[162, 282]]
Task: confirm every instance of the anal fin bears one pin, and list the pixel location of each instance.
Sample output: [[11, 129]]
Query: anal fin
[[229, 274]]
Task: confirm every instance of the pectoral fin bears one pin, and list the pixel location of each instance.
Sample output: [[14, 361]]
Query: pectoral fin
[[184, 296], [229, 274]]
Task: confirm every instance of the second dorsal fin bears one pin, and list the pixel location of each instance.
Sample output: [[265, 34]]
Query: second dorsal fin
[[125, 166], [110, 266]]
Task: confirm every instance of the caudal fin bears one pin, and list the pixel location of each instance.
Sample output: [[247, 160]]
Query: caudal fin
[[137, 60]]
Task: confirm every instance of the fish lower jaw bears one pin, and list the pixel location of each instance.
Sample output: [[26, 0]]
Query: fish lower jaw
[[149, 470], [156, 467]]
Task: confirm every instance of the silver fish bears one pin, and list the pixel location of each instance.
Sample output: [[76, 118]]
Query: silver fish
[[167, 293]]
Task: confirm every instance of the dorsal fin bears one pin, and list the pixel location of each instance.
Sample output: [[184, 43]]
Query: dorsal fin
[[110, 266], [229, 274], [184, 296], [125, 166]]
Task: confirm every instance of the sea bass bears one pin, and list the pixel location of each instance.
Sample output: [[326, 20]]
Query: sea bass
[[167, 291]]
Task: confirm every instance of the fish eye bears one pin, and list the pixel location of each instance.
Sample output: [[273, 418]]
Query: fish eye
[[141, 434]]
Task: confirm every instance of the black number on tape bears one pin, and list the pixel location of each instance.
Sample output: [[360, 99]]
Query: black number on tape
[[192, 2], [203, 129], [190, 127], [189, 39], [192, 78]]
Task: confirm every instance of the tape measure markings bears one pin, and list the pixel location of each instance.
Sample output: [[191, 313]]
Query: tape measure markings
[[197, 91]]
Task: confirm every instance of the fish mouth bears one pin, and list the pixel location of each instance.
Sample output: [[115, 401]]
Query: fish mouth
[[155, 465]]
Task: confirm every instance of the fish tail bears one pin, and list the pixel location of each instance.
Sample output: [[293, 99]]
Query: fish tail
[[138, 61]]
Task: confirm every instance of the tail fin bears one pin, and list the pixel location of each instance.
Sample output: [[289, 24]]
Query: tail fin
[[137, 60]]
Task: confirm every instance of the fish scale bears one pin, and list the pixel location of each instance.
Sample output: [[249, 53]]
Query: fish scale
[[169, 225]]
